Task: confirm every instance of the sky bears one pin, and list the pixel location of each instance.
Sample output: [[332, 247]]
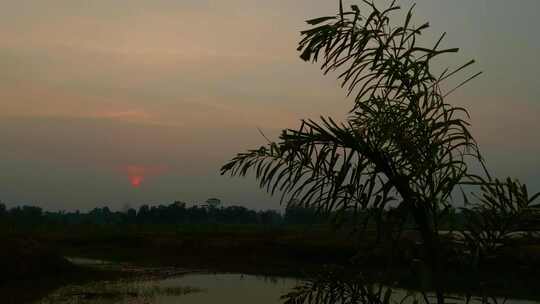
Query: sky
[[110, 102]]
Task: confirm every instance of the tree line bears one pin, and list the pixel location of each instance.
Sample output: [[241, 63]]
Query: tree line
[[212, 212], [177, 212]]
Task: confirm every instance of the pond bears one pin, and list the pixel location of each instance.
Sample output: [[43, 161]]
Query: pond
[[186, 289], [230, 288], [166, 286]]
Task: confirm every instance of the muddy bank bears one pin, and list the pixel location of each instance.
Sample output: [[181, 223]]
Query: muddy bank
[[25, 258], [279, 253], [258, 254], [514, 270], [30, 269]]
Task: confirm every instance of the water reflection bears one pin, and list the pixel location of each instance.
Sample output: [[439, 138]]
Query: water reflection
[[205, 288], [233, 288], [186, 289], [341, 287]]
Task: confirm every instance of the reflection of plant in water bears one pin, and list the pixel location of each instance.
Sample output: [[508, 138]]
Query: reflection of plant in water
[[401, 146], [339, 286]]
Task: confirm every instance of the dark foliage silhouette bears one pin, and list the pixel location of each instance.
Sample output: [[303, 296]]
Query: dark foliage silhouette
[[177, 213], [402, 145]]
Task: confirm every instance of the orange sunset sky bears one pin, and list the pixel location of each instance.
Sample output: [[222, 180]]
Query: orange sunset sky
[[129, 102]]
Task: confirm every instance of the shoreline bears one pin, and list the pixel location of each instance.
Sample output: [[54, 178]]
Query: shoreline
[[284, 254]]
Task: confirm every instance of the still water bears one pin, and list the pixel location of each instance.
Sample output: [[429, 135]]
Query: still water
[[229, 288], [187, 287]]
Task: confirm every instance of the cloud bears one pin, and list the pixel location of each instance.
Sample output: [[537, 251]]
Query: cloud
[[184, 84], [127, 115]]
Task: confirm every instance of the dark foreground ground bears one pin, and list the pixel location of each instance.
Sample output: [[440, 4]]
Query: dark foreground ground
[[32, 265], [30, 270]]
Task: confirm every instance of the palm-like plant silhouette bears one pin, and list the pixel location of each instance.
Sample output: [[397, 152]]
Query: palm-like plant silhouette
[[501, 210], [401, 144]]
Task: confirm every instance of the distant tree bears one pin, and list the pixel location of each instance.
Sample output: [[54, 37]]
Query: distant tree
[[26, 214], [213, 203], [106, 211], [32, 212], [131, 214], [270, 218], [179, 204], [298, 215], [3, 209], [175, 213], [143, 214]]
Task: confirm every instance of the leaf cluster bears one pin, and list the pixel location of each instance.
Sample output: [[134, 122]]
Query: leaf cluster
[[401, 143], [502, 209]]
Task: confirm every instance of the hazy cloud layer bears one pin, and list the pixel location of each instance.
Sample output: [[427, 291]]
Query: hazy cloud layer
[[87, 87]]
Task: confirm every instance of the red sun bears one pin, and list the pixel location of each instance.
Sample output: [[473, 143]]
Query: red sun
[[138, 173], [136, 181]]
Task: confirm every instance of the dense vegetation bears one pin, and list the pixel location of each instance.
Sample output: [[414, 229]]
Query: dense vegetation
[[178, 213]]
